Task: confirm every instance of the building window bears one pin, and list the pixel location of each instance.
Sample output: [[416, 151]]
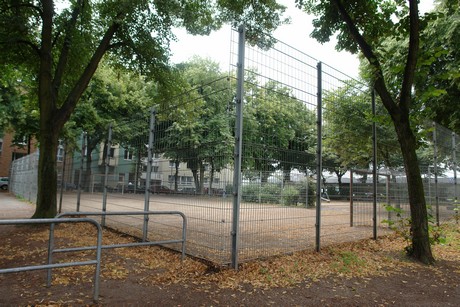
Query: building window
[[172, 164], [128, 155], [1, 146], [155, 169], [186, 180], [112, 152]]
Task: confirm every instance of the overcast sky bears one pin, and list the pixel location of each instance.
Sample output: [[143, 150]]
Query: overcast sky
[[297, 34]]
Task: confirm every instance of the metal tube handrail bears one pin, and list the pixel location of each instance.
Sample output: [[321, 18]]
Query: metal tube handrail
[[184, 227], [50, 265]]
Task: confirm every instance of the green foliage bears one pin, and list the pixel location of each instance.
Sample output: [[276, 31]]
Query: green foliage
[[61, 46], [347, 262], [251, 193], [437, 83], [200, 133], [310, 192], [348, 133], [402, 227], [269, 193], [290, 196], [279, 130]]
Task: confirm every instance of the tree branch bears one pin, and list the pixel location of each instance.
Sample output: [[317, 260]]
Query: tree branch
[[29, 5], [25, 42], [366, 49], [71, 101], [46, 100], [411, 62], [63, 57]]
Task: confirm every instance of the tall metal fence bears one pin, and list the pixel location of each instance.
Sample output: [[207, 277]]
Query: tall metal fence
[[272, 157]]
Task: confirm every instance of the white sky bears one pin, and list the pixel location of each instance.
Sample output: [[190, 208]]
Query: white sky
[[297, 34]]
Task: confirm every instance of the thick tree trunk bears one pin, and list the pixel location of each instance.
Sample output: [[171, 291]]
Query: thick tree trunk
[[421, 248], [47, 176]]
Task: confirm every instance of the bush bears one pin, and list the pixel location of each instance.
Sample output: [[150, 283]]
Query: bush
[[250, 193], [311, 193], [291, 196], [270, 193]]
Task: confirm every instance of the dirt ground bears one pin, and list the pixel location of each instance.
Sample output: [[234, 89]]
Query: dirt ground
[[363, 273]]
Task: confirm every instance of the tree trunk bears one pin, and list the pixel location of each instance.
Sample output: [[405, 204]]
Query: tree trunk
[[196, 179], [47, 176], [201, 190], [211, 178], [421, 248], [176, 175]]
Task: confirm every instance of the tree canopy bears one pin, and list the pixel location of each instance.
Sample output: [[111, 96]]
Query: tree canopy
[[62, 46]]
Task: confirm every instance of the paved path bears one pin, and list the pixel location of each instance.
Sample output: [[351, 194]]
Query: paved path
[[14, 208]]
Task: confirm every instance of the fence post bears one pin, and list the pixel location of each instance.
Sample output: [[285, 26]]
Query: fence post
[[374, 168], [454, 165], [351, 198], [387, 190], [319, 153], [148, 175], [435, 158], [238, 147], [62, 177], [106, 174], [82, 161]]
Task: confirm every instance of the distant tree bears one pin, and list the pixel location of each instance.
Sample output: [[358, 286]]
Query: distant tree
[[348, 121], [204, 137], [279, 131], [113, 97]]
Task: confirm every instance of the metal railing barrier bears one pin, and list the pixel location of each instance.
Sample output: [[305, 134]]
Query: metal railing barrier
[[145, 243], [50, 265]]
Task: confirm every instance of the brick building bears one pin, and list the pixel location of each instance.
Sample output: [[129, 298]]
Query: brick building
[[10, 152]]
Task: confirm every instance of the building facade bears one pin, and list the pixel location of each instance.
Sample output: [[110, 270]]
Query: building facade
[[10, 151]]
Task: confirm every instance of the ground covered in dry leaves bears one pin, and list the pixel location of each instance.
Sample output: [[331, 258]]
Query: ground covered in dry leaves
[[364, 273]]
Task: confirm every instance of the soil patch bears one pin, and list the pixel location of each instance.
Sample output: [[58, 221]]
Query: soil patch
[[362, 273]]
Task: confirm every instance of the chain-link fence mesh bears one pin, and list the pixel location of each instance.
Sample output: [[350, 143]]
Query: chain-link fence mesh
[[182, 157]]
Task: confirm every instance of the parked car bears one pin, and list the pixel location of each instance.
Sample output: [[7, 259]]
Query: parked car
[[160, 189], [4, 183], [131, 188]]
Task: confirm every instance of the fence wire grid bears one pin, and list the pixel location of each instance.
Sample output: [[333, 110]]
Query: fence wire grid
[[298, 116]]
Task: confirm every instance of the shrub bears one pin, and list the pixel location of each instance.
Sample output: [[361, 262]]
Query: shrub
[[291, 196], [270, 193], [311, 193]]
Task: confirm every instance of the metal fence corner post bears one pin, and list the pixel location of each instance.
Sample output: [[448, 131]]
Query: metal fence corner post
[[238, 148], [435, 162], [374, 168], [80, 177], [106, 175], [148, 176], [319, 152]]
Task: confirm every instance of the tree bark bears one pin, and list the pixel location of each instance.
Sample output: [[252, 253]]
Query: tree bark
[[47, 176], [421, 248]]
